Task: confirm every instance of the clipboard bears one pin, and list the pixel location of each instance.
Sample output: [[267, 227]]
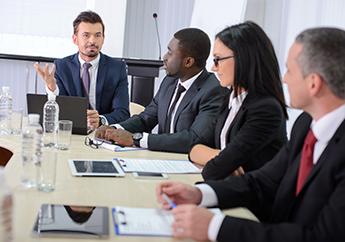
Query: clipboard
[[142, 222], [153, 222]]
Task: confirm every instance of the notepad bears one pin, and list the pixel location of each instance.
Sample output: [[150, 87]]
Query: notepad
[[157, 166], [144, 221]]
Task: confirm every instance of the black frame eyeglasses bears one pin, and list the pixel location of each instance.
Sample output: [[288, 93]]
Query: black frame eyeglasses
[[92, 143], [217, 59]]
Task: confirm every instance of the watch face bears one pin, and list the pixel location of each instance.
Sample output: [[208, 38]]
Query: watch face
[[102, 121], [137, 136]]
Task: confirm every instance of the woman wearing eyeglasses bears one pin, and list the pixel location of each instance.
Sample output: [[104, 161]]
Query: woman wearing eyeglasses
[[252, 126]]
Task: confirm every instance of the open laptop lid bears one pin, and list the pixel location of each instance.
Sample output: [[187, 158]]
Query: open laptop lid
[[71, 108]]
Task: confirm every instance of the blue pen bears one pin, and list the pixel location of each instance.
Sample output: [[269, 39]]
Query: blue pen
[[168, 200]]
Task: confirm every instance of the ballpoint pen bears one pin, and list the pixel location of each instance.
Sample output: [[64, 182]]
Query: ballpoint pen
[[168, 200]]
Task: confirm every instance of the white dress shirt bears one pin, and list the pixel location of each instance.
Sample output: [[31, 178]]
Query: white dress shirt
[[186, 84], [323, 129], [235, 104]]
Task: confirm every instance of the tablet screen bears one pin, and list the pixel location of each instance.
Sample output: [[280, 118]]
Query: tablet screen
[[92, 166], [95, 168]]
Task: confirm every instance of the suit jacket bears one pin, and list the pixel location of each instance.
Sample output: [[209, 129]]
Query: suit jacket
[[112, 98], [317, 213], [256, 134], [193, 117]]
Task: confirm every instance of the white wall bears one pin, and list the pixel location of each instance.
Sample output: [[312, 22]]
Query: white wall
[[44, 28]]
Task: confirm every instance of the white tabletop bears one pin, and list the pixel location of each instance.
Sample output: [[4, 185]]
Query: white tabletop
[[93, 191]]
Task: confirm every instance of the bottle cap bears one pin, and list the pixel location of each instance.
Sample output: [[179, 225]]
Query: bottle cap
[[5, 89], [34, 118], [51, 97]]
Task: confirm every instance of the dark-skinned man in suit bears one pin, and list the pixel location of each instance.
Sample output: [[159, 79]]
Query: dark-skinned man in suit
[[185, 105]]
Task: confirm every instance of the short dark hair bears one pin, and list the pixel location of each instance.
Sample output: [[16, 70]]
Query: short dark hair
[[256, 64], [323, 53], [87, 17], [194, 43]]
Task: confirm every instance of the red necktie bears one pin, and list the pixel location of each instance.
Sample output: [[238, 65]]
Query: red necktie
[[306, 163]]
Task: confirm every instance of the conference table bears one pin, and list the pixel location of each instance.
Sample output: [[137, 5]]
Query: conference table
[[89, 191]]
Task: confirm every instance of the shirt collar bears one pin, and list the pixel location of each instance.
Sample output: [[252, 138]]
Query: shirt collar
[[188, 83], [325, 127], [237, 101], [94, 62]]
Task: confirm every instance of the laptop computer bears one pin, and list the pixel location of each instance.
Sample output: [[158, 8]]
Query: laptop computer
[[71, 108]]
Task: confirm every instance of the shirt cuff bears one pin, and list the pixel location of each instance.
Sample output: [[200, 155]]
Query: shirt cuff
[[117, 126], [144, 140], [56, 91], [209, 197], [214, 226]]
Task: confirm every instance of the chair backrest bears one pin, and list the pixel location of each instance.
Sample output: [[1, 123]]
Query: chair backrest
[[5, 156], [135, 108]]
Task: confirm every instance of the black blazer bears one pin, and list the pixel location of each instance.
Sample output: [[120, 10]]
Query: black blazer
[[316, 214], [112, 98], [194, 115], [256, 134]]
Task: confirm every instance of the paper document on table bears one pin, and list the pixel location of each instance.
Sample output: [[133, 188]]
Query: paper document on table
[[157, 166], [144, 221], [117, 148]]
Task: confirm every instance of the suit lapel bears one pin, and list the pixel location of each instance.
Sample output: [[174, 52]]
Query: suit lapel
[[285, 197], [239, 115], [220, 124], [166, 103], [190, 94], [76, 77], [101, 73]]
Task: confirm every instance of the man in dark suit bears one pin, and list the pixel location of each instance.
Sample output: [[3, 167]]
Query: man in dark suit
[[185, 105], [300, 194], [89, 73]]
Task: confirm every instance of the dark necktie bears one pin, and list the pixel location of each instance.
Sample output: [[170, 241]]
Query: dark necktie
[[306, 163], [180, 90], [85, 76]]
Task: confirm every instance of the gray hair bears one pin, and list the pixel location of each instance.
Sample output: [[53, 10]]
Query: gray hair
[[323, 53]]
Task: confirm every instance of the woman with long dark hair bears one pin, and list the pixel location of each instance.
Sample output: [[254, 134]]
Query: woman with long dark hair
[[251, 128]]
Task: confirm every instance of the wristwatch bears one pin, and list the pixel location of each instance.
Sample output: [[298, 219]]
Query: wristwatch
[[102, 121], [136, 139]]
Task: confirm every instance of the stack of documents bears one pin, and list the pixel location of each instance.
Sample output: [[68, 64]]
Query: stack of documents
[[157, 166]]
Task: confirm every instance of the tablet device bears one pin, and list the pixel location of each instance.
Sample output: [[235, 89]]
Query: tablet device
[[72, 221], [85, 167]]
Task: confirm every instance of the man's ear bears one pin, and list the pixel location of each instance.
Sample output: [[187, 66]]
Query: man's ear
[[189, 62], [75, 39], [315, 83]]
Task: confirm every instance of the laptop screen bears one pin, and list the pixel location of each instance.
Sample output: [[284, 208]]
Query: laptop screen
[[71, 108]]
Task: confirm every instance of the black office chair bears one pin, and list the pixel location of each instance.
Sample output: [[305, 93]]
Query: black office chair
[[5, 156]]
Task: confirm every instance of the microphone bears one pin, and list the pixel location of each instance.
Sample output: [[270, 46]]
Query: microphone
[[157, 32]]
